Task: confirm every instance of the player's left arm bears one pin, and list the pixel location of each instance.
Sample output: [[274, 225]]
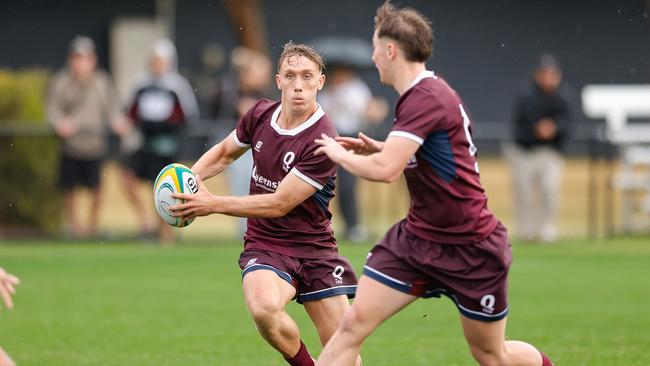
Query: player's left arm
[[384, 166], [218, 158], [291, 191], [7, 283]]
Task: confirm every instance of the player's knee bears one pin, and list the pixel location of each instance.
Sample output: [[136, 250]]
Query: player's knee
[[487, 357], [354, 324], [264, 312]]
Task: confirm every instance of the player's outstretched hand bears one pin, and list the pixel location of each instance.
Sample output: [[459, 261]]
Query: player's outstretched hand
[[5, 360], [200, 203], [330, 147], [7, 283], [363, 145]]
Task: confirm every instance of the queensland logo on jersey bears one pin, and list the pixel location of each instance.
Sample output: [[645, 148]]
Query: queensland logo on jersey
[[263, 182], [258, 146], [412, 163], [287, 160], [487, 302], [338, 274]]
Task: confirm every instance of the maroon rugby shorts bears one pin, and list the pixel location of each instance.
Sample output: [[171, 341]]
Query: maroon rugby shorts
[[473, 276], [314, 279]]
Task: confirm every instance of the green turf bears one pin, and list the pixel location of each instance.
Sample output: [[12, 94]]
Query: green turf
[[133, 304]]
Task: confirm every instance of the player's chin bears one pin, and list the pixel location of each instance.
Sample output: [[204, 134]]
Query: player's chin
[[298, 107]]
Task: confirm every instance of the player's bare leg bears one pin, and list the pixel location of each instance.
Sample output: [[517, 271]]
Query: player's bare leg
[[373, 304], [266, 296], [487, 343], [327, 314], [5, 360]]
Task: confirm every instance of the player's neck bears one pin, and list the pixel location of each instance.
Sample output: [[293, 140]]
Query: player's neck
[[405, 74], [289, 119]]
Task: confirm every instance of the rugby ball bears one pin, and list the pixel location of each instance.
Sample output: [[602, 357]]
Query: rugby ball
[[174, 178]]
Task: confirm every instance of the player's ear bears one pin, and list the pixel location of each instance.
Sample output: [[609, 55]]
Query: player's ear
[[391, 50], [321, 81], [277, 81]]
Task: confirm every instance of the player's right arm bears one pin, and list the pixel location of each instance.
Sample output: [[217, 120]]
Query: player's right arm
[[291, 191], [363, 145], [215, 160], [384, 166]]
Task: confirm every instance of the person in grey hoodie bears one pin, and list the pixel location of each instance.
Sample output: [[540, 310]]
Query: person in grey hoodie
[[163, 103]]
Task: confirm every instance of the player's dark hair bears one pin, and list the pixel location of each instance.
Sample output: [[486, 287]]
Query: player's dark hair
[[410, 29], [300, 49]]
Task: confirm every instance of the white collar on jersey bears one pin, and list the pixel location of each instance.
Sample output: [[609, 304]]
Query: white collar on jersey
[[303, 126], [424, 74]]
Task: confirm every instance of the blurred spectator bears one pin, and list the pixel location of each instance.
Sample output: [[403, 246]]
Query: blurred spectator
[[250, 80], [541, 127], [208, 80], [7, 283], [162, 104], [82, 103], [348, 102]]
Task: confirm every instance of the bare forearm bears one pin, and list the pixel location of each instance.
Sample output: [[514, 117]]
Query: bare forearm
[[213, 162], [291, 191], [260, 206], [371, 167]]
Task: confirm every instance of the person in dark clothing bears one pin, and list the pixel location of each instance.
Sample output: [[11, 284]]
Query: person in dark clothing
[[353, 108], [542, 117], [249, 80], [161, 106]]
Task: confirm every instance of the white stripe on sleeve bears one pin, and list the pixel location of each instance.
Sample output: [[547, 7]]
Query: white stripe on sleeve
[[312, 182], [407, 135]]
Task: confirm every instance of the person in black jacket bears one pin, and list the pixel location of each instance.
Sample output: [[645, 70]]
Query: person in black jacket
[[542, 117], [162, 104]]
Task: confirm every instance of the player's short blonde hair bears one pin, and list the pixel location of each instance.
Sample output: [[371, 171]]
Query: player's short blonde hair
[[303, 50]]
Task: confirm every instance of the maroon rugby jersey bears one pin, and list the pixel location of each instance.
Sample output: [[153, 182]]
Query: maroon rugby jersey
[[448, 204], [305, 232]]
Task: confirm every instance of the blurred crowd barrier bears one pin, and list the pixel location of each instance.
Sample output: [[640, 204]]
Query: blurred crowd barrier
[[382, 205], [589, 205]]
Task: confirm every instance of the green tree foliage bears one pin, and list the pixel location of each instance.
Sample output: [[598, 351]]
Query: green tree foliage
[[29, 200]]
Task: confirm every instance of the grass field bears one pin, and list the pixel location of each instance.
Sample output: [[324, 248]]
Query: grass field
[[133, 304]]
